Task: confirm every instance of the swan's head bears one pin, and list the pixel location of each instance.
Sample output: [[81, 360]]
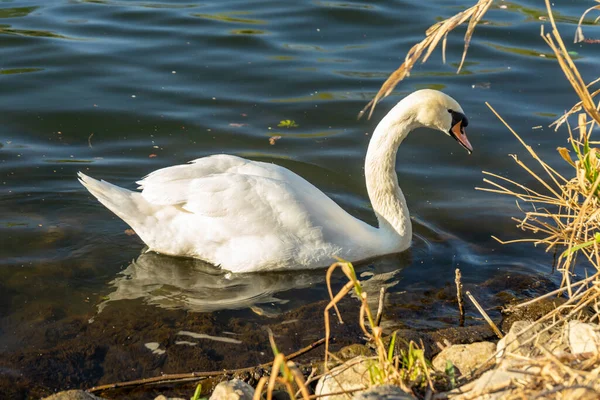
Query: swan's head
[[436, 110]]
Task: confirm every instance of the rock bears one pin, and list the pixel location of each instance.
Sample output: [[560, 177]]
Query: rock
[[466, 357], [163, 397], [233, 390], [511, 342], [352, 375], [383, 392], [583, 338], [522, 343], [73, 395]]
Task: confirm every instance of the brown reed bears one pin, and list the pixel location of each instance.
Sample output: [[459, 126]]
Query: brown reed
[[433, 35]]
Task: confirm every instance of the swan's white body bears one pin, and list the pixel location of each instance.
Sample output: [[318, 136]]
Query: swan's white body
[[247, 216]]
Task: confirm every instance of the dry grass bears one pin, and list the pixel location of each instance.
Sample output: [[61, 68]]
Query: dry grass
[[408, 369], [566, 213], [433, 35], [547, 376], [558, 377], [283, 372]]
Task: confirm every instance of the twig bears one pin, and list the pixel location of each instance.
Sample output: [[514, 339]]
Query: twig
[[459, 296], [199, 375], [380, 306], [560, 388], [485, 315]]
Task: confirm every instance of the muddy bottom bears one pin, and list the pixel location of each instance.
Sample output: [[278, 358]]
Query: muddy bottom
[[130, 340]]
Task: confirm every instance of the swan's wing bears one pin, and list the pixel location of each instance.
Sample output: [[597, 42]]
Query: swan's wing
[[222, 183], [228, 196], [244, 222], [215, 164], [235, 208]]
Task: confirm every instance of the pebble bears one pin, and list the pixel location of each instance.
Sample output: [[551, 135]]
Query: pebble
[[467, 358], [234, 389]]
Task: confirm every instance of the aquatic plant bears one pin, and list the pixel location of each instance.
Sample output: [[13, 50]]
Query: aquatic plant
[[288, 123]]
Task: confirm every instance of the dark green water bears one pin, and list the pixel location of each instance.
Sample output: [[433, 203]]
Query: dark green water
[[118, 89]]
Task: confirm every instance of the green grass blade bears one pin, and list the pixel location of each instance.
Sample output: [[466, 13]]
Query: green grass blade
[[392, 347], [196, 395]]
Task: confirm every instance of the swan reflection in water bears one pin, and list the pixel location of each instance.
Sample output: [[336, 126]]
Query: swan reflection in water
[[194, 285]]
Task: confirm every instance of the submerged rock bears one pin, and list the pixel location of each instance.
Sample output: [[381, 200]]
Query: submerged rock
[[583, 338], [466, 357], [383, 392], [353, 350], [73, 395], [456, 335], [352, 375], [233, 390], [531, 312]]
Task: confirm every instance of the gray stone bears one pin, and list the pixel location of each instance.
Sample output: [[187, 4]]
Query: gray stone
[[383, 392], [73, 395], [352, 375], [466, 357], [233, 390], [583, 338]]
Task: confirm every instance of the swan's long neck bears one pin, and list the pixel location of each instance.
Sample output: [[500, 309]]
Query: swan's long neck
[[386, 197]]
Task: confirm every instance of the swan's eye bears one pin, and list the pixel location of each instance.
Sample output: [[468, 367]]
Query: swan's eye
[[458, 117]]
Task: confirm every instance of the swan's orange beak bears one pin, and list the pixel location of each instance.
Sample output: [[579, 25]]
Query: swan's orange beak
[[458, 133]]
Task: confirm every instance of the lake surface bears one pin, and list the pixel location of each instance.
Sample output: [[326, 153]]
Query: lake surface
[[117, 89]]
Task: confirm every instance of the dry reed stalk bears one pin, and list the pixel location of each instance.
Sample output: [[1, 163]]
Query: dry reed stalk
[[433, 35], [568, 214], [485, 315], [385, 367], [284, 372], [579, 33], [380, 306], [570, 70], [459, 297]]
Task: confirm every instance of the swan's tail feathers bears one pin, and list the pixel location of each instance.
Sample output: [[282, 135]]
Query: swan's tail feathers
[[124, 203]]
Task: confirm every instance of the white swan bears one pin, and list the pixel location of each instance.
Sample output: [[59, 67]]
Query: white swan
[[248, 216]]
